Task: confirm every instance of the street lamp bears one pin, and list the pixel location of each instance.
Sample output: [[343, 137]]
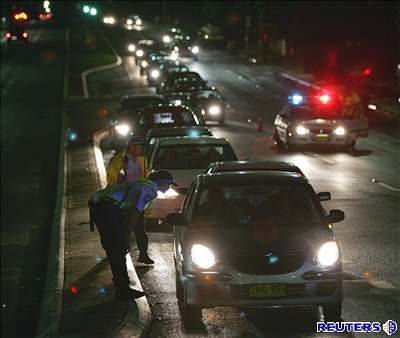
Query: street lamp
[[86, 9], [93, 11]]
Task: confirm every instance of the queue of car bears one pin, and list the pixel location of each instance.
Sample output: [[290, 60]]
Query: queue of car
[[246, 233]]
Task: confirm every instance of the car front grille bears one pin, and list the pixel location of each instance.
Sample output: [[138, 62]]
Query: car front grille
[[283, 262]]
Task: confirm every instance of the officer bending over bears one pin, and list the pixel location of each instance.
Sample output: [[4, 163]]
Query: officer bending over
[[116, 211]]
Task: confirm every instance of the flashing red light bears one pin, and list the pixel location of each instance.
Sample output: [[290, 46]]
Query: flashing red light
[[324, 98], [24, 34], [73, 290], [367, 71], [8, 35]]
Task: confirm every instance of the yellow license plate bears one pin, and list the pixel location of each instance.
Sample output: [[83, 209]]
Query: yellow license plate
[[268, 290]]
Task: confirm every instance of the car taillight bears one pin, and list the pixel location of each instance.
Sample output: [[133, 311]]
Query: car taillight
[[24, 34], [8, 35], [367, 71]]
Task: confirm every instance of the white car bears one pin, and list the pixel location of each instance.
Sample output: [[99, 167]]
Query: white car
[[255, 239], [319, 119], [185, 157]]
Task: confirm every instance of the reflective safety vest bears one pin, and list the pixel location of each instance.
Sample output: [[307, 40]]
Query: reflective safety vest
[[120, 162], [134, 194]]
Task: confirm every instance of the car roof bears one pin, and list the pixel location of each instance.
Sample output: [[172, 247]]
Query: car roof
[[175, 131], [251, 165], [170, 108], [141, 96], [179, 74], [251, 177], [181, 140]]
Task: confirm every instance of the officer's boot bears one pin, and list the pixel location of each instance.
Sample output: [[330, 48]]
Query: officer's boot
[[144, 258]]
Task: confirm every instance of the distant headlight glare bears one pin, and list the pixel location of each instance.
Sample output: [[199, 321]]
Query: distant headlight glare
[[339, 131], [139, 53], [155, 74], [144, 64], [131, 47], [300, 130], [328, 254], [202, 256], [195, 50], [214, 110], [123, 129]]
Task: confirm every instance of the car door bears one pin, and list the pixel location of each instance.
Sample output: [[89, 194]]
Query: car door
[[355, 122]]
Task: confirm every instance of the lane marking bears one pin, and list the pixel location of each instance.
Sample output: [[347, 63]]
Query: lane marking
[[385, 185], [322, 159]]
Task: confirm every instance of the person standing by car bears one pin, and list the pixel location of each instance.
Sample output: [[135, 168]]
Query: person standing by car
[[116, 211], [126, 166]]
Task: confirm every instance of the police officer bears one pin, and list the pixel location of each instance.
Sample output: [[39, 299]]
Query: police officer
[[126, 166], [117, 211]]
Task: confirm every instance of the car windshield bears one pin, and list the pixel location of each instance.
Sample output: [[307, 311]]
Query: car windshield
[[270, 205], [139, 103], [167, 119], [191, 156], [305, 112], [208, 94]]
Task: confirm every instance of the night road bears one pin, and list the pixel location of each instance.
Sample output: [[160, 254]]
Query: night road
[[55, 276]]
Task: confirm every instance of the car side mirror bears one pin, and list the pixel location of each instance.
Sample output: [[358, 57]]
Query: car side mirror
[[324, 196], [335, 216], [177, 219]]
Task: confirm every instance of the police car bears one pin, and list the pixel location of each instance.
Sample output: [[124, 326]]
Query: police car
[[255, 239], [319, 119], [185, 157]]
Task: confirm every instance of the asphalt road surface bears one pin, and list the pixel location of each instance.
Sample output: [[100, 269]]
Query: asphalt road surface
[[31, 94], [364, 183]]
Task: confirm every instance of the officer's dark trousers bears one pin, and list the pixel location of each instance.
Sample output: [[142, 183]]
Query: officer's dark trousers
[[142, 239], [108, 219]]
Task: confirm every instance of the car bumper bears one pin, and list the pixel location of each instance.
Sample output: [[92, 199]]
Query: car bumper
[[316, 140], [299, 293]]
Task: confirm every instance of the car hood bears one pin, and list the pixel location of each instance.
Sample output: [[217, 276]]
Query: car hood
[[318, 123], [184, 177], [255, 241]]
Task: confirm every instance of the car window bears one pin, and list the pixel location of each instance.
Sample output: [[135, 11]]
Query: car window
[[272, 205], [191, 156], [169, 119]]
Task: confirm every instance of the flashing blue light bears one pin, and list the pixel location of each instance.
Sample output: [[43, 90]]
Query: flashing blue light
[[296, 99], [71, 135]]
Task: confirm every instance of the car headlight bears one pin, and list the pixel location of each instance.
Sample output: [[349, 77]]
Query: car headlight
[[300, 130], [177, 102], [176, 49], [202, 256], [166, 39], [174, 56], [144, 64], [339, 131], [129, 22], [138, 22], [328, 254], [214, 110], [155, 73], [123, 129], [139, 53], [131, 47], [170, 193], [195, 50]]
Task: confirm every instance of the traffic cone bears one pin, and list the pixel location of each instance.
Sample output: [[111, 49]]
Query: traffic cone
[[260, 125]]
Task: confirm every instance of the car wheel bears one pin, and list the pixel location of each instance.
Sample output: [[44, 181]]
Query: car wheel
[[179, 288], [351, 145], [191, 315], [332, 312]]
